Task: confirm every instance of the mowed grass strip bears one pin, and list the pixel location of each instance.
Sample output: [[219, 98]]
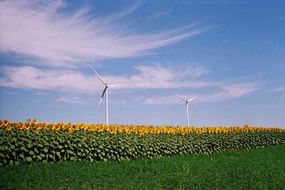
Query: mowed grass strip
[[262, 168]]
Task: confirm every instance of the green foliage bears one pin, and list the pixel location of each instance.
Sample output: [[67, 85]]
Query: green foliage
[[17, 146], [260, 168]]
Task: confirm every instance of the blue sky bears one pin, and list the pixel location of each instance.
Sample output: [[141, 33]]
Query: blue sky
[[228, 54]]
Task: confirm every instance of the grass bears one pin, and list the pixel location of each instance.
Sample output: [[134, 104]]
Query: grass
[[252, 169]]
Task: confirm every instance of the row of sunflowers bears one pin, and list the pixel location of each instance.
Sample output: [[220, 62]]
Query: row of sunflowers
[[33, 141], [136, 129]]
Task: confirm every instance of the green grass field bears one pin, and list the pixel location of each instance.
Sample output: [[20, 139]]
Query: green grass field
[[253, 169]]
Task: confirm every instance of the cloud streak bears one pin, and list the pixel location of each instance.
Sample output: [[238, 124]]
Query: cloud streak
[[279, 89], [28, 77], [62, 40], [147, 77], [69, 99], [158, 15], [224, 92]]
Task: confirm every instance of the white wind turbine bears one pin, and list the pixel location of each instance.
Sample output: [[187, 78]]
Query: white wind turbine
[[187, 101], [104, 93]]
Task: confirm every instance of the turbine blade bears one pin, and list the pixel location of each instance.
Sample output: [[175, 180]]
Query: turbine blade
[[100, 78], [180, 97], [104, 91], [99, 103]]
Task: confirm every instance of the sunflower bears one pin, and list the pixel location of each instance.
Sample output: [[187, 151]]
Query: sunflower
[[57, 127], [5, 122], [35, 121], [20, 125], [9, 127], [27, 126]]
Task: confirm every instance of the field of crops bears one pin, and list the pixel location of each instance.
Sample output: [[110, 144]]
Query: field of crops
[[33, 141]]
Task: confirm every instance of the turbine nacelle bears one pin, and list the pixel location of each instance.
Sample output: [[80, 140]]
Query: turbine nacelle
[[186, 100]]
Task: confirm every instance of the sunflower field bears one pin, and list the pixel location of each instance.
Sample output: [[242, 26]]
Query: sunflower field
[[33, 141]]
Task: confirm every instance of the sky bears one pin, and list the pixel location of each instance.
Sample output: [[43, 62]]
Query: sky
[[228, 54]]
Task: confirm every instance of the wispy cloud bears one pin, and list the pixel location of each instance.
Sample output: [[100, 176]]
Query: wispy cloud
[[230, 91], [170, 99], [279, 89], [224, 92], [42, 94], [161, 77], [154, 76], [146, 77], [118, 15], [57, 39], [226, 41], [69, 99], [158, 15], [28, 77], [8, 92]]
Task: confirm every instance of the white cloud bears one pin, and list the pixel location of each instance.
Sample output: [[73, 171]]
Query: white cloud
[[159, 15], [237, 90], [28, 77], [279, 89], [171, 99], [146, 77], [226, 92], [230, 91], [42, 94], [69, 99], [160, 77], [40, 31]]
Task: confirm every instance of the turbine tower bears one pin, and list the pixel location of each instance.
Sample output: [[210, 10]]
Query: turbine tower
[[187, 101], [104, 93]]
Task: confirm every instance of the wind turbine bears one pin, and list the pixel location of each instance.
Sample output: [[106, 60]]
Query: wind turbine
[[187, 101], [104, 93]]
